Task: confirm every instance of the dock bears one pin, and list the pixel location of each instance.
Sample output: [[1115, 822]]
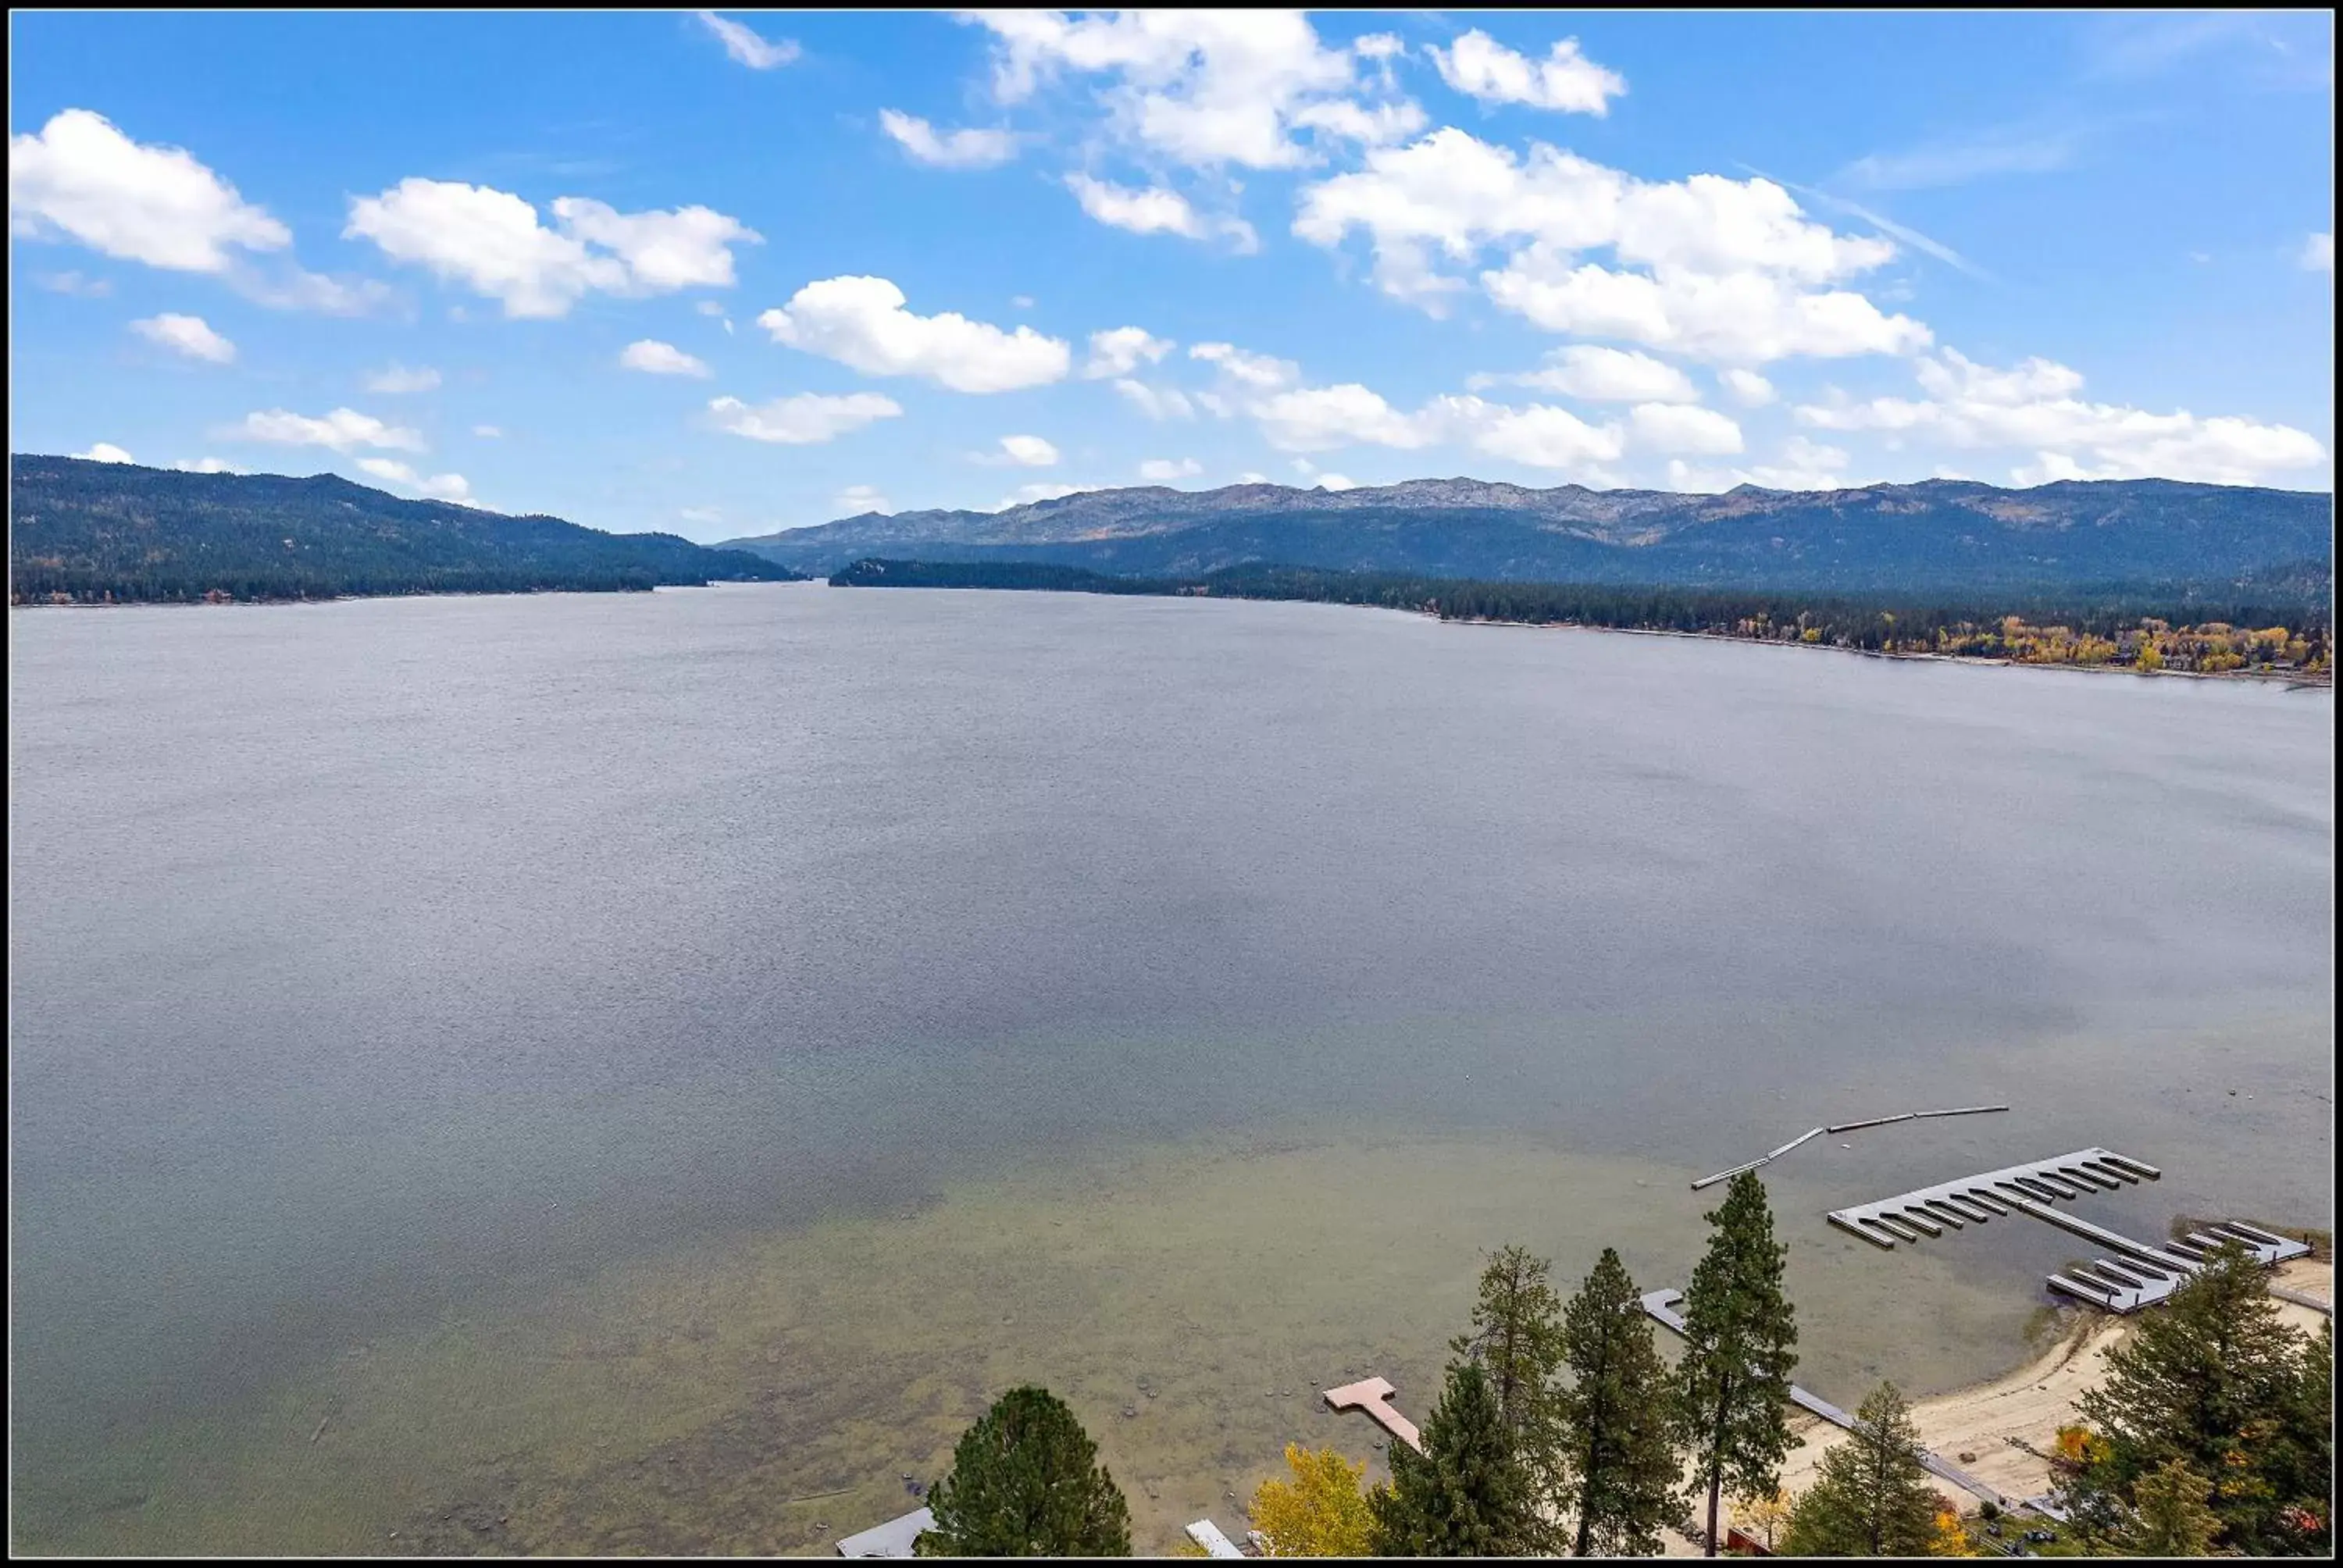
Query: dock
[[1372, 1395]]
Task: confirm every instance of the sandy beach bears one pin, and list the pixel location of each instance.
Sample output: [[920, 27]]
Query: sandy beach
[[1982, 1429]]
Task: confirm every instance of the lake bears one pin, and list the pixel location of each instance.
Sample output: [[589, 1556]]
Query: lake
[[634, 1072]]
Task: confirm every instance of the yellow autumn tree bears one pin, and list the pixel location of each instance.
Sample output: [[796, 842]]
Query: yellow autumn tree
[[1322, 1512], [1764, 1518], [1950, 1539]]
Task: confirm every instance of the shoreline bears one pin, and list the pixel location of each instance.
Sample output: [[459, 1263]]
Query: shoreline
[[1999, 1430]]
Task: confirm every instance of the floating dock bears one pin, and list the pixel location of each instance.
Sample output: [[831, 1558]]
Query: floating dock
[[2140, 1274], [1372, 1395]]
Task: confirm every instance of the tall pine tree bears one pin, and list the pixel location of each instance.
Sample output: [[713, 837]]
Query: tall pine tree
[[2169, 1516], [1025, 1482], [2210, 1378], [1615, 1418], [1871, 1495], [1517, 1340], [1733, 1384], [1466, 1494]]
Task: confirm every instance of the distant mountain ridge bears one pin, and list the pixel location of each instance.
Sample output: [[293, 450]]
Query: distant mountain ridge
[[1946, 534], [94, 531]]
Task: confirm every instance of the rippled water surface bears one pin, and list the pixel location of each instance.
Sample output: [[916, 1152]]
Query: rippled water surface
[[633, 1073]]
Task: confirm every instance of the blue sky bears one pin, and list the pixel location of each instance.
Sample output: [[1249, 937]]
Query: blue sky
[[719, 274]]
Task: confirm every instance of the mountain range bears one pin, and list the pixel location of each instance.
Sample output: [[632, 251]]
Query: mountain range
[[1936, 535], [94, 531]]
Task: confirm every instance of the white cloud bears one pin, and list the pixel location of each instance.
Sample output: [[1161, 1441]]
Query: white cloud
[[1479, 66], [1378, 126], [436, 487], [487, 432], [2318, 253], [206, 466], [746, 45], [1746, 387], [1155, 210], [74, 283], [1805, 465], [1333, 481], [1322, 419], [1250, 477], [1120, 350], [153, 204], [1204, 88], [805, 420], [342, 430], [1163, 470], [1156, 402], [1539, 436], [491, 241], [1683, 428], [1379, 47], [1609, 376], [2034, 408], [1256, 371], [856, 499], [188, 335], [701, 514], [1029, 451], [862, 322], [395, 378], [972, 149], [1746, 318], [1027, 494], [1732, 263], [106, 452], [653, 358]]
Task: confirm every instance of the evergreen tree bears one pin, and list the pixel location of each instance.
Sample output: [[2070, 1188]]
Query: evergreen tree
[[1025, 1483], [2169, 1518], [1615, 1418], [1871, 1495], [1740, 1333], [1517, 1340], [1466, 1494], [2209, 1378]]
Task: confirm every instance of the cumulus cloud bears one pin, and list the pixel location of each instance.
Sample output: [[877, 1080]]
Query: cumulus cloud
[[1746, 387], [343, 431], [1202, 88], [1608, 375], [1155, 210], [856, 499], [1029, 451], [394, 380], [748, 47], [862, 322], [2317, 253], [653, 358], [80, 176], [434, 487], [187, 335], [1479, 66], [1155, 402], [1258, 372], [106, 452], [492, 242], [2033, 407], [1163, 470], [1333, 481], [1539, 436], [806, 419], [206, 466], [1727, 270], [1322, 419], [972, 149], [1683, 428], [1122, 349]]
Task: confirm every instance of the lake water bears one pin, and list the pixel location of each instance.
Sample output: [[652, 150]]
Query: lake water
[[633, 1073]]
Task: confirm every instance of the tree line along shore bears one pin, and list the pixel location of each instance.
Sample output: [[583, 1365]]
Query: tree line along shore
[[2283, 634]]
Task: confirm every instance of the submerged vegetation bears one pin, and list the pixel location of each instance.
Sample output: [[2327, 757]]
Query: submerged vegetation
[[2285, 628]]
